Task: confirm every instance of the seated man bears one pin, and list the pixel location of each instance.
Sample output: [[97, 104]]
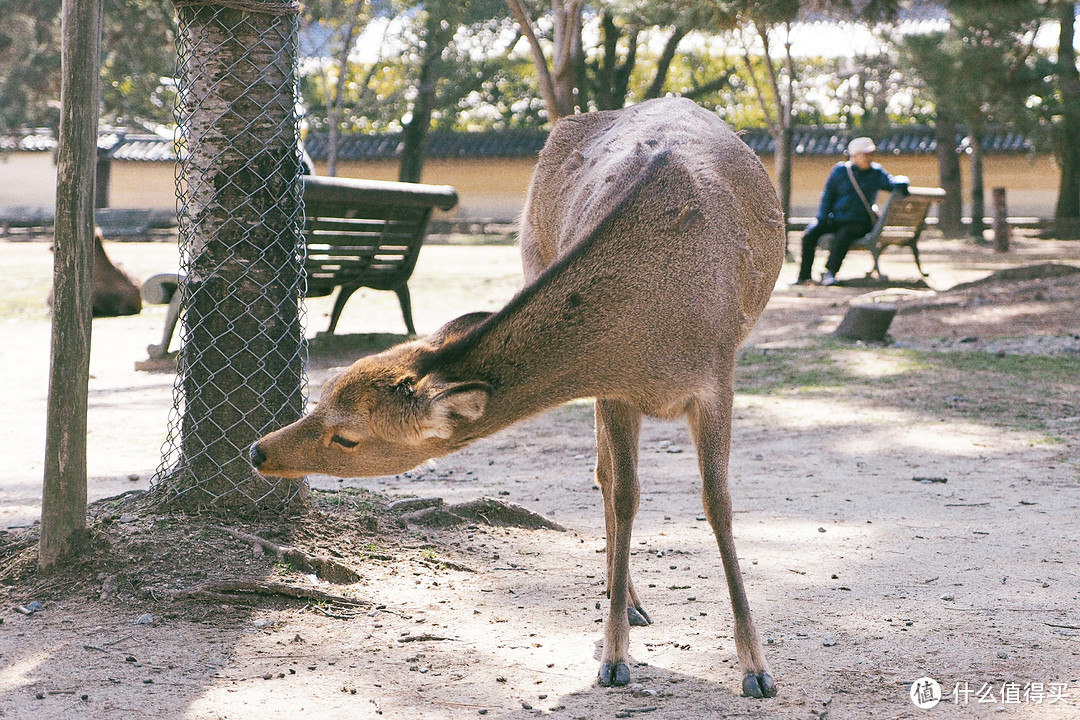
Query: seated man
[[846, 208]]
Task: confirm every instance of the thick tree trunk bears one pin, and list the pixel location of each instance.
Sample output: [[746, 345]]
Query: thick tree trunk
[[1067, 142], [951, 209], [63, 506], [242, 363]]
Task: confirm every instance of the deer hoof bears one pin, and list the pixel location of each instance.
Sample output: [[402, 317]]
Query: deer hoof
[[758, 686], [617, 674], [638, 617]]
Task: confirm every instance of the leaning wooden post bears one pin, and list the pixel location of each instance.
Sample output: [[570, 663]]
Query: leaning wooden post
[[63, 506], [1001, 222]]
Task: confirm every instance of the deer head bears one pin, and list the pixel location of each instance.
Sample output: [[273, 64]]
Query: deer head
[[384, 415]]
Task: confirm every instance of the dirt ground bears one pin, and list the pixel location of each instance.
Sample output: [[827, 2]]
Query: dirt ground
[[880, 543]]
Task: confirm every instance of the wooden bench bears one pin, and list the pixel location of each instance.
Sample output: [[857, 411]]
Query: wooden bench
[[900, 223], [123, 222], [358, 233]]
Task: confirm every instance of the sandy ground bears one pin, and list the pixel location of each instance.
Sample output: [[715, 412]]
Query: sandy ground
[[861, 578]]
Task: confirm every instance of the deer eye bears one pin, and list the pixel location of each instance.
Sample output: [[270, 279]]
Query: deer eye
[[343, 442]]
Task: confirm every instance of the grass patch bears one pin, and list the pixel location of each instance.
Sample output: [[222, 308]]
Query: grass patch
[[1013, 391]]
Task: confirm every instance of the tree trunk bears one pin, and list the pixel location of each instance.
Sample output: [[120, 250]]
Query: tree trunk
[[242, 362], [1067, 142], [63, 505], [663, 63], [415, 136], [558, 83], [951, 209], [784, 138], [978, 203]]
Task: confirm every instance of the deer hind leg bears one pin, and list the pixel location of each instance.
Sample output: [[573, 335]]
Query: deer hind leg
[[710, 422], [605, 473], [617, 429]]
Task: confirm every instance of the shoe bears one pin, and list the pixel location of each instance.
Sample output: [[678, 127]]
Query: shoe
[[828, 279], [801, 281]]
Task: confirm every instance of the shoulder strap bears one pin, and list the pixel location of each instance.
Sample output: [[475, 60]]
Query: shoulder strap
[[865, 202]]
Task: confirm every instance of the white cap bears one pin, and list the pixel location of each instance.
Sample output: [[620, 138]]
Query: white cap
[[861, 145]]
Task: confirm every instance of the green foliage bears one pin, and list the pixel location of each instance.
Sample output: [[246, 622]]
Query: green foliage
[[984, 68], [139, 59], [138, 50], [29, 63]]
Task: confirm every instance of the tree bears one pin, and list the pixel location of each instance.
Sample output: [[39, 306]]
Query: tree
[[139, 44], [241, 363], [334, 26], [63, 507], [137, 52], [1066, 138], [991, 48], [29, 63], [775, 92], [558, 83]]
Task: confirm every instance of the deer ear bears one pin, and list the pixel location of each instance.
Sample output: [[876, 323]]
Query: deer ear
[[454, 402]]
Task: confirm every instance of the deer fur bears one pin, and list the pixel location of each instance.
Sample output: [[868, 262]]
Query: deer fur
[[651, 240], [113, 291]]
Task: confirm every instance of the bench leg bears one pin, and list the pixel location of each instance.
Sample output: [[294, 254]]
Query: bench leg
[[406, 307], [171, 316], [915, 252], [339, 304]]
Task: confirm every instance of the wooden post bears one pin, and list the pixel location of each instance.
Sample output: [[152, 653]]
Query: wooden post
[[1001, 222], [63, 507]]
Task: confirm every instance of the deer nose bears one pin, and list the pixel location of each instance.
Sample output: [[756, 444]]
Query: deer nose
[[257, 455]]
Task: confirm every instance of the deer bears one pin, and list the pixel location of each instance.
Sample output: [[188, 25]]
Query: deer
[[651, 238]]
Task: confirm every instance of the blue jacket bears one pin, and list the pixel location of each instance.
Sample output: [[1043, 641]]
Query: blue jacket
[[842, 204]]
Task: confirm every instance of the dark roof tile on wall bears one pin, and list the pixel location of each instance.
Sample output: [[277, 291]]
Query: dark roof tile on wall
[[441, 144], [912, 139], [907, 140]]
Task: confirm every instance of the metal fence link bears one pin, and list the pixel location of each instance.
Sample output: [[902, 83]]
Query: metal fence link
[[240, 210]]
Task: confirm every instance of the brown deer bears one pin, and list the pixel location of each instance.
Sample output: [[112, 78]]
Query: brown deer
[[651, 239], [113, 291]]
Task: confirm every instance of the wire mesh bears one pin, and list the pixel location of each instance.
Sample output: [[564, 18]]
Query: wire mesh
[[240, 211]]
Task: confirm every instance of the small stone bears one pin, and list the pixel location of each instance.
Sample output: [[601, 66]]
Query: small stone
[[146, 619], [1003, 655], [526, 706], [821, 529], [829, 641], [133, 478], [127, 518]]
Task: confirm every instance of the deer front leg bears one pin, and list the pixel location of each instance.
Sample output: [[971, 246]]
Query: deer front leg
[[710, 423], [617, 428]]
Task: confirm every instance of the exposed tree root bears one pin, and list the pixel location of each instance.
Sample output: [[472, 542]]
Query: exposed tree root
[[484, 510], [326, 568], [236, 591]]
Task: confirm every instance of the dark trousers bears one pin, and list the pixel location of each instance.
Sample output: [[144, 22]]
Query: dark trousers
[[843, 235]]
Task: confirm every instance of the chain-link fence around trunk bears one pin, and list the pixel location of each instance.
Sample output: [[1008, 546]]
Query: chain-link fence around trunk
[[241, 369]]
